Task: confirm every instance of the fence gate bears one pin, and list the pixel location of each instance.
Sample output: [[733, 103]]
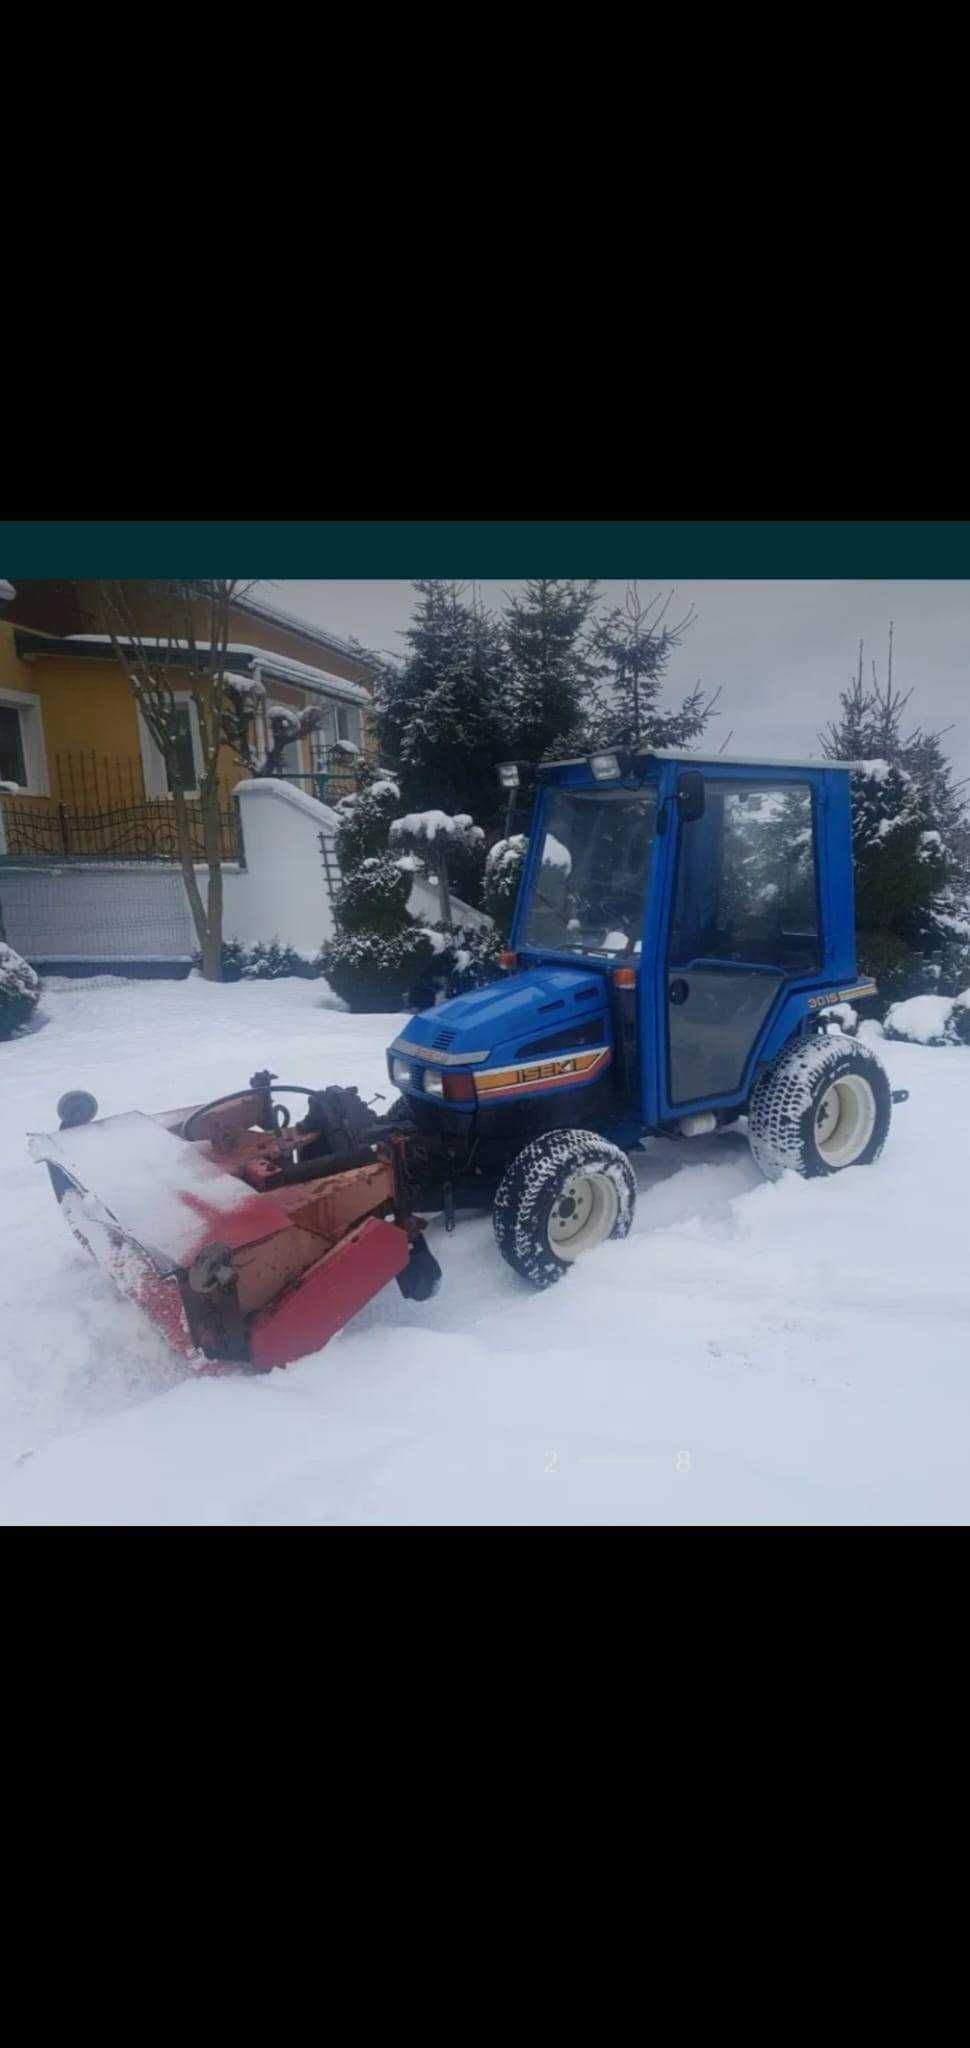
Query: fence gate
[[97, 914]]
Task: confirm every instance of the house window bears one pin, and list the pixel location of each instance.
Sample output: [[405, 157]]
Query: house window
[[23, 758], [348, 723], [186, 769], [181, 773], [12, 766], [337, 722]]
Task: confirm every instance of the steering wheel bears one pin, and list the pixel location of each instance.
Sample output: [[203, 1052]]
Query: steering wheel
[[261, 1085]]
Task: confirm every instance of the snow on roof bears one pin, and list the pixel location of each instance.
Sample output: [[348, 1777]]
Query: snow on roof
[[752, 760], [313, 678], [697, 760], [277, 617]]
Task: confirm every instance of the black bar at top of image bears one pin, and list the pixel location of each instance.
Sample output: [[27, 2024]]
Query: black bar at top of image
[[496, 548]]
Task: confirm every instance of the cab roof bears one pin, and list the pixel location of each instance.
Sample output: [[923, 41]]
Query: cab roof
[[697, 760]]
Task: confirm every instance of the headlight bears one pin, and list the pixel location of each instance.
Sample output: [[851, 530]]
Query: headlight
[[433, 1082], [401, 1073]]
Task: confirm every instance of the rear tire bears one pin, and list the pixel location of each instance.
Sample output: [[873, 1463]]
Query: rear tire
[[564, 1194], [823, 1105]]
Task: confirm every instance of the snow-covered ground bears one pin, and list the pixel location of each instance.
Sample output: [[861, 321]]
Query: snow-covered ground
[[753, 1353]]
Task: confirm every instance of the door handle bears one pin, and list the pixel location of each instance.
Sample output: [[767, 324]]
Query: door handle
[[679, 990]]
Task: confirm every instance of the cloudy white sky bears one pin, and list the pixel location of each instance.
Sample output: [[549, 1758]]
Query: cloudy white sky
[[780, 651]]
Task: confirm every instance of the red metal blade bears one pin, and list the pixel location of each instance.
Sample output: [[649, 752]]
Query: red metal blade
[[328, 1294]]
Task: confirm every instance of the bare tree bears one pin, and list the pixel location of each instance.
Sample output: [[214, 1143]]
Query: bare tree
[[189, 654], [242, 721]]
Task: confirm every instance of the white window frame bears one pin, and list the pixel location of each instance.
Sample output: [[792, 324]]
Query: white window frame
[[152, 758], [31, 738], [328, 734], [353, 714]]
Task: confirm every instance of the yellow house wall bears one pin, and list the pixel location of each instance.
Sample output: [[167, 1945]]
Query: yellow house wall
[[14, 673], [88, 709], [18, 675]]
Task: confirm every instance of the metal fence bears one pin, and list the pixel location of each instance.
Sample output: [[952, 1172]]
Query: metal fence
[[328, 787], [100, 810], [135, 831]]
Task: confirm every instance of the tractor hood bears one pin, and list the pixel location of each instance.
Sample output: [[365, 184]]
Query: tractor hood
[[507, 1013]]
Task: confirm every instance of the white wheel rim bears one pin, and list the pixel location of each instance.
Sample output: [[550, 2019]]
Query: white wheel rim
[[845, 1120], [583, 1214]]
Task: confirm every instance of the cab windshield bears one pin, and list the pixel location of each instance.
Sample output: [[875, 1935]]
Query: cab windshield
[[588, 887]]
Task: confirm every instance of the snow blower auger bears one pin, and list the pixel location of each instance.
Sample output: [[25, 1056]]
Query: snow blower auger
[[245, 1238]]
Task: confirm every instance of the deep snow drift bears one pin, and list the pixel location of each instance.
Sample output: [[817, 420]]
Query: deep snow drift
[[797, 1352]]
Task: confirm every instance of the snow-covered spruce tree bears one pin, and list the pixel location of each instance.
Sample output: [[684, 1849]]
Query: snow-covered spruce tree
[[911, 919], [19, 991], [378, 952], [631, 646], [551, 669], [445, 714]]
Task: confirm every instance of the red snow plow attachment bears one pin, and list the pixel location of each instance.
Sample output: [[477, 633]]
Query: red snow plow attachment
[[245, 1240]]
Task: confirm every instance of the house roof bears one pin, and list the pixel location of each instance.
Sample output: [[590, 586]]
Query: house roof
[[242, 658], [274, 616]]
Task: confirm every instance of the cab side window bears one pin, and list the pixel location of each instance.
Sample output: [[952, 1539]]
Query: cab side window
[[746, 889]]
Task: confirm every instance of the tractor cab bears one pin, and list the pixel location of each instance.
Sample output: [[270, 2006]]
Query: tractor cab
[[680, 918]]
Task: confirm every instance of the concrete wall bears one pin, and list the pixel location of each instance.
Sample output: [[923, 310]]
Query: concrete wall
[[281, 893], [101, 911]]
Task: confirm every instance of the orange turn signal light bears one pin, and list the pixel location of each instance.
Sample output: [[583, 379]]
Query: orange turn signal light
[[458, 1088], [624, 977], [508, 959]]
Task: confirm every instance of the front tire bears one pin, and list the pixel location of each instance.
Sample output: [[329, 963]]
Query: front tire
[[823, 1105], [564, 1194]]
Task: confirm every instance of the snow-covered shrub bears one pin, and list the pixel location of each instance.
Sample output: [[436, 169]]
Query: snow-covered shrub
[[372, 971], [233, 960], [19, 991], [475, 958], [466, 866], [265, 961], [503, 873], [931, 1020], [364, 820], [373, 897], [274, 962], [841, 1017], [953, 965], [448, 847], [896, 966], [378, 953]]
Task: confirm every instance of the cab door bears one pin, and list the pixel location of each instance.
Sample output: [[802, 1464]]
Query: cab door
[[743, 924]]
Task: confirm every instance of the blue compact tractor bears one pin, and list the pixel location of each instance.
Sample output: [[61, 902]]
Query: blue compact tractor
[[682, 924], [682, 927]]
